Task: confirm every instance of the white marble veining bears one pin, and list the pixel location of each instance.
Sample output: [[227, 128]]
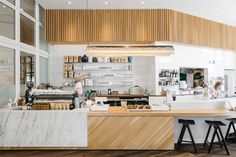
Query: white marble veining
[[43, 128]]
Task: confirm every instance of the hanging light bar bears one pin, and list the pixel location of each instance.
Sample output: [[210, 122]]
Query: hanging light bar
[[130, 50]]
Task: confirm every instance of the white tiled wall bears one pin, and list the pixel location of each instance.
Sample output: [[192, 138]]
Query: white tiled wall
[[143, 67], [146, 69]]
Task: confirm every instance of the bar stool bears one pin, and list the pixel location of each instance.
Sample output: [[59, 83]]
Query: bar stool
[[217, 132], [232, 121], [186, 124]]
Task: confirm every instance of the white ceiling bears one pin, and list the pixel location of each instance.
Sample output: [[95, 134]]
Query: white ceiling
[[223, 11]]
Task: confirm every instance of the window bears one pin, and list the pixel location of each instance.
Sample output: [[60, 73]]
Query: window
[[42, 41], [27, 30], [41, 15], [27, 71], [11, 1], [7, 75], [28, 6], [7, 21], [43, 64]]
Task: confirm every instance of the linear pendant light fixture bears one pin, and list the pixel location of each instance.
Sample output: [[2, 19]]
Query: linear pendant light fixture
[[130, 50]]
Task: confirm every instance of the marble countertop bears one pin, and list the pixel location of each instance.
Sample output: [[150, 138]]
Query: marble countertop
[[75, 110]]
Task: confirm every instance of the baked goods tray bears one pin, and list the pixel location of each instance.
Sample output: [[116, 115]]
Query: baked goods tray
[[139, 110]]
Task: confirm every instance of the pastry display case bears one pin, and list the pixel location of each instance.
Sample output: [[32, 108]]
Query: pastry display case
[[52, 100]]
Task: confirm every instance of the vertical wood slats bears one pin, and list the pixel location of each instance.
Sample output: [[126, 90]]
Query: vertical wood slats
[[80, 26], [194, 30], [66, 26], [136, 26]]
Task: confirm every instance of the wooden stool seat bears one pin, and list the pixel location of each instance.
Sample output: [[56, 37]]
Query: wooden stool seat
[[186, 121], [231, 120]]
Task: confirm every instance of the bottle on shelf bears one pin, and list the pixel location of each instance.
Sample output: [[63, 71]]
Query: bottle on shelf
[[109, 91], [72, 106]]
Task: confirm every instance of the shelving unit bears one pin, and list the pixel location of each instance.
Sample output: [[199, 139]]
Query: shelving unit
[[168, 77], [101, 74]]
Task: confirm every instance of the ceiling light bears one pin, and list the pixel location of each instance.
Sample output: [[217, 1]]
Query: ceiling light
[[106, 3], [142, 2], [69, 2], [4, 6], [130, 50]]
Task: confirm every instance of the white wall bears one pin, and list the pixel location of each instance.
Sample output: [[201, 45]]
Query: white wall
[[56, 61], [197, 57], [146, 69], [143, 67]]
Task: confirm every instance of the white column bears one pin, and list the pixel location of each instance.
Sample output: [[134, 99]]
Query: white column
[[37, 67], [17, 50]]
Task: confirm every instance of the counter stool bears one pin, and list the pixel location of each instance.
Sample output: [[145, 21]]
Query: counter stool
[[217, 132], [186, 124], [232, 121]]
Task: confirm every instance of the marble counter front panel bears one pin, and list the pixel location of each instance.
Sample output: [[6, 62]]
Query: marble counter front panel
[[43, 128]]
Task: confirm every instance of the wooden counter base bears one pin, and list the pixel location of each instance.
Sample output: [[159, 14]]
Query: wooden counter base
[[131, 133], [120, 129]]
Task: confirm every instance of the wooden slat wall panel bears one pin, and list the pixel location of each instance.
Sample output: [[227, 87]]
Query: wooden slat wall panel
[[79, 26], [190, 29], [136, 26], [106, 26], [67, 26], [146, 25], [131, 133]]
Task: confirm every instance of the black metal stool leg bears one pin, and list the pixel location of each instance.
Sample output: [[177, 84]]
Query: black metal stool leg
[[191, 136], [212, 140], [207, 135], [181, 136], [223, 141], [219, 139], [234, 129], [228, 130]]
